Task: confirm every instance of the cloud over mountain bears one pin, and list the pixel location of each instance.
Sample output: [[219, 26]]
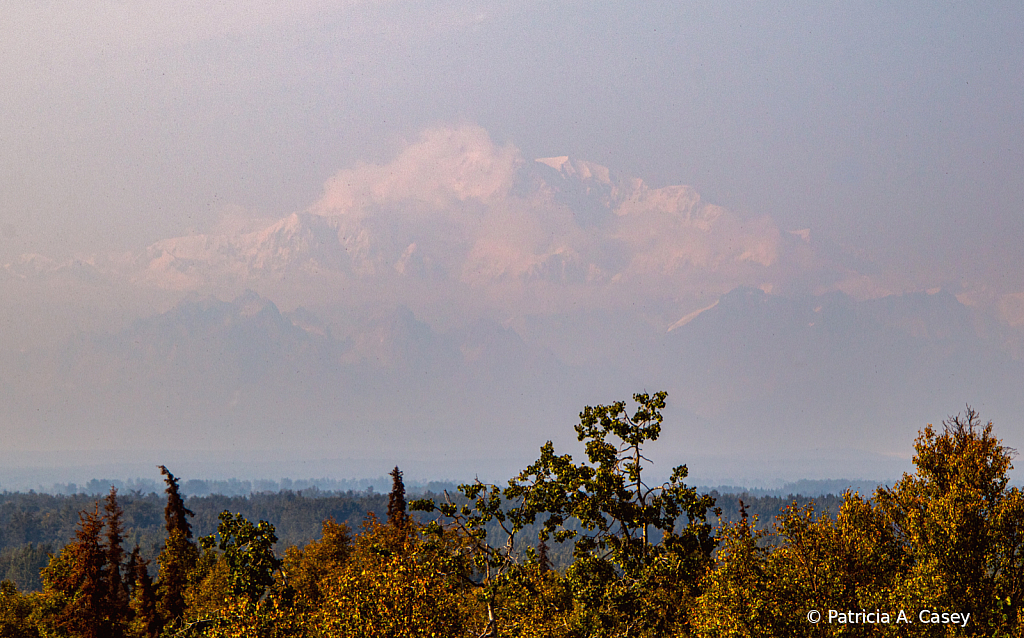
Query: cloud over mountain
[[469, 217], [444, 167], [462, 292]]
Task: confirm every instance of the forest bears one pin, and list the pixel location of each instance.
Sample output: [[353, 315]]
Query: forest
[[565, 548]]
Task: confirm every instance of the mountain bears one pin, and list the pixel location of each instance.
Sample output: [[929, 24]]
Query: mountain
[[760, 385], [244, 375], [298, 244], [826, 371], [461, 301], [557, 221]]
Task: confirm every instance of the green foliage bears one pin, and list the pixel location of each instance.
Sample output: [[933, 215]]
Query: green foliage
[[21, 565], [248, 553], [609, 497], [621, 578]]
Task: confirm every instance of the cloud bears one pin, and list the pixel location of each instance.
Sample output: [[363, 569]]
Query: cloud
[[476, 223], [501, 219], [446, 166]]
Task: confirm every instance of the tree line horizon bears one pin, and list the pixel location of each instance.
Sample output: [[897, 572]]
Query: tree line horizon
[[636, 559]]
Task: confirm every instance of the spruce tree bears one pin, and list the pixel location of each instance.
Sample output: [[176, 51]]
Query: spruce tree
[[74, 590], [146, 621], [396, 500], [543, 560], [116, 594], [179, 555], [175, 513]]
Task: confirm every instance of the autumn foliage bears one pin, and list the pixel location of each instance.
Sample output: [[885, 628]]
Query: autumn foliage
[[636, 559]]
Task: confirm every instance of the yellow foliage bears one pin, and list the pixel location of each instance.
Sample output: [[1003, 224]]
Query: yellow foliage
[[395, 583]]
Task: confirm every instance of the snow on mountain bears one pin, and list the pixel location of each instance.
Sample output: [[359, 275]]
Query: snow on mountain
[[456, 208], [476, 221], [299, 243]]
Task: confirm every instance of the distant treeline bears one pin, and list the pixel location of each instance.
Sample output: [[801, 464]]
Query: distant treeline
[[34, 525], [242, 487]]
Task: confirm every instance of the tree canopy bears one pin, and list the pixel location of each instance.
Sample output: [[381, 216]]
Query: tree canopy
[[644, 559]]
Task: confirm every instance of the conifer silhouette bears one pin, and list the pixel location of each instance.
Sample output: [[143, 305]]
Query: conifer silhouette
[[396, 500], [175, 513], [116, 610], [179, 555], [543, 560]]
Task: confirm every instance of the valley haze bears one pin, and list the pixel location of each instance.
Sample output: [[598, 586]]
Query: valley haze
[[327, 239]]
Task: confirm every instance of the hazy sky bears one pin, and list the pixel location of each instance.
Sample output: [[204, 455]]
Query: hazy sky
[[893, 130], [890, 133]]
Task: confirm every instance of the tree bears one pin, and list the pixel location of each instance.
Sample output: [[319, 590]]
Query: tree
[[397, 582], [634, 564], [949, 537], [543, 560], [640, 550], [74, 592], [961, 525], [85, 592], [179, 554], [176, 515], [248, 552], [145, 619], [306, 568], [766, 582], [16, 613], [116, 590], [737, 598], [396, 500]]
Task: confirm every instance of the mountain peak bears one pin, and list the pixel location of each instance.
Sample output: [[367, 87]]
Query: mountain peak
[[250, 304]]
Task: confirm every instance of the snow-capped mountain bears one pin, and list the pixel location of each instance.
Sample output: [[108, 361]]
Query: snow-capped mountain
[[557, 220], [460, 293]]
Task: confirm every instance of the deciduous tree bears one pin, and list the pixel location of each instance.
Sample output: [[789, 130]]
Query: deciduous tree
[[248, 551], [643, 548], [961, 525]]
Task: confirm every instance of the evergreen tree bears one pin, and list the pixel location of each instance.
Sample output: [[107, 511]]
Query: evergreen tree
[[175, 513], [179, 555], [74, 591], [146, 621], [396, 500], [543, 560], [116, 607]]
